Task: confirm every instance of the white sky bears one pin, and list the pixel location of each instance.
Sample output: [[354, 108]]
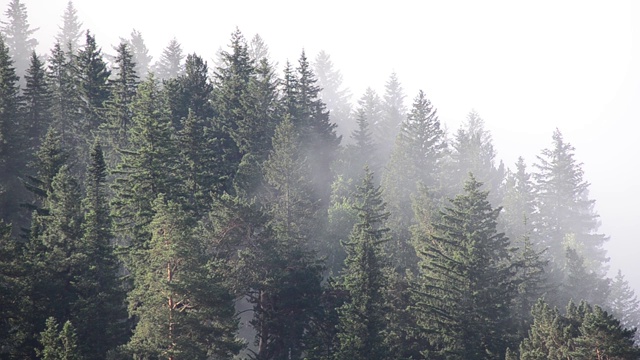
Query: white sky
[[526, 67]]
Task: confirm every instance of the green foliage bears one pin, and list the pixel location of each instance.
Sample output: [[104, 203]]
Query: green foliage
[[361, 331], [184, 311], [465, 284], [62, 345]]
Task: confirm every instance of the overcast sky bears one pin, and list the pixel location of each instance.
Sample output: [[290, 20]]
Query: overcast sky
[[526, 67]]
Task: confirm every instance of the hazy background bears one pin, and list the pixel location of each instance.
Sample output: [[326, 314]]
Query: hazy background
[[527, 68]]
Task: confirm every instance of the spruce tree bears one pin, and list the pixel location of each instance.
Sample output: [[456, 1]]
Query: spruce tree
[[59, 345], [62, 79], [170, 64], [17, 34], [71, 29], [12, 137], [141, 57], [93, 77], [417, 157], [362, 326], [623, 303], [258, 49], [519, 203], [393, 114], [183, 309], [333, 94], [567, 217], [465, 284], [37, 102]]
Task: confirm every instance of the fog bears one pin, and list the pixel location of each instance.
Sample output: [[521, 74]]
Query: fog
[[525, 68]]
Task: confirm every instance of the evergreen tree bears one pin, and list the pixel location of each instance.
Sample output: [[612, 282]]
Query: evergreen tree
[[190, 91], [465, 285], [473, 152], [309, 116], [118, 109], [623, 303], [71, 29], [141, 57], [12, 133], [567, 217], [17, 34], [361, 331], [101, 298], [519, 202], [184, 310], [417, 157], [62, 79], [170, 64], [581, 283], [333, 94], [61, 345], [393, 114], [37, 102], [93, 77], [146, 170], [258, 49]]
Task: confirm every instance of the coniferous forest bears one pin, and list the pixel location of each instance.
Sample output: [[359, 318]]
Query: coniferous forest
[[233, 209]]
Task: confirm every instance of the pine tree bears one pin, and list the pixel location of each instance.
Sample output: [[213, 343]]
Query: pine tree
[[170, 64], [361, 331], [184, 310], [567, 217], [465, 284], [71, 29], [17, 34]]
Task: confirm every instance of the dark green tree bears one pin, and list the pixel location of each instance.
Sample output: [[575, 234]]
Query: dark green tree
[[93, 84], [184, 310], [12, 137], [146, 170], [362, 327], [62, 80], [118, 110], [59, 345], [37, 102], [465, 284]]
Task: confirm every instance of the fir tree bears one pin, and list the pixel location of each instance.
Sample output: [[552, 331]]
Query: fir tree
[[17, 34], [184, 310], [71, 29], [170, 64], [59, 345], [393, 114], [623, 303], [141, 57], [333, 94], [567, 217], [361, 331], [519, 202], [258, 49], [37, 102], [62, 79], [465, 283]]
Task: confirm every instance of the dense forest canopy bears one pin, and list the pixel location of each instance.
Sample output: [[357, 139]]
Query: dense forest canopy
[[180, 208]]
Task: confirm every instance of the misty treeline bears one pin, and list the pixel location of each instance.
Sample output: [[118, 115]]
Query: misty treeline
[[148, 206]]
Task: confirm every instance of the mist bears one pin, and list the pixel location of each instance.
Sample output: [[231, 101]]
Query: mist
[[495, 83]]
